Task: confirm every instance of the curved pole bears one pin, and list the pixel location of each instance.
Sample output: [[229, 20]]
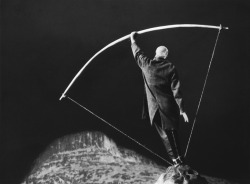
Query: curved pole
[[128, 36]]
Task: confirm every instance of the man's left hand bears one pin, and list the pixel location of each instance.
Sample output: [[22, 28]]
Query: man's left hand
[[133, 36]]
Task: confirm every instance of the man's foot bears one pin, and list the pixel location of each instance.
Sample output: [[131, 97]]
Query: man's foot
[[177, 164], [178, 161]]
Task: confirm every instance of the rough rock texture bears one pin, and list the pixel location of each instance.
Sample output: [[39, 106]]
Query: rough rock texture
[[91, 157], [181, 175]]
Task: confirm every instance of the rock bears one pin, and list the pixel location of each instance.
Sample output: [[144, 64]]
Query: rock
[[91, 157], [181, 175]]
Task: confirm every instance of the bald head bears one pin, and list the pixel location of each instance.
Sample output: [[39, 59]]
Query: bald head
[[161, 52]]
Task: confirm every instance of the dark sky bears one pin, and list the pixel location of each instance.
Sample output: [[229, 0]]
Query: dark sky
[[45, 43]]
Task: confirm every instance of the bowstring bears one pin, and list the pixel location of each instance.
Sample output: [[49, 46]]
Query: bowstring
[[103, 120], [205, 82], [197, 110]]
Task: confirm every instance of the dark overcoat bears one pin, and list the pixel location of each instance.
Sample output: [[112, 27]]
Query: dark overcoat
[[162, 89]]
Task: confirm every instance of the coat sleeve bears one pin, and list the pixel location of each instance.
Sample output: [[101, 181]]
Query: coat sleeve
[[139, 56], [175, 86]]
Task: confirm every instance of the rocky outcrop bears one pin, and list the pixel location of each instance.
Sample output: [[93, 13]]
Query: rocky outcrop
[[91, 157], [181, 175]]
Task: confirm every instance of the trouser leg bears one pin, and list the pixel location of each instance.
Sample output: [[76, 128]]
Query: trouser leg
[[174, 143], [170, 141]]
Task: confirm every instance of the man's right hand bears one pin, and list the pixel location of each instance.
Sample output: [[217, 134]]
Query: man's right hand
[[184, 116], [133, 36]]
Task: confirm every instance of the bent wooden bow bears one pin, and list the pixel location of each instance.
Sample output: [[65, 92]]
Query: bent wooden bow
[[128, 36]]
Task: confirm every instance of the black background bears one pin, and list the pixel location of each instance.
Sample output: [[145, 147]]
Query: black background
[[45, 43]]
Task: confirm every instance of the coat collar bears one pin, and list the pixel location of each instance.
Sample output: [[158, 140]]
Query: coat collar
[[160, 60]]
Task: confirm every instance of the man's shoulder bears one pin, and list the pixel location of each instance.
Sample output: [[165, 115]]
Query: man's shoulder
[[169, 66], [168, 63]]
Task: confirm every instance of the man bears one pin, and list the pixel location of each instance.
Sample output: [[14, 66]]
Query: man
[[164, 101]]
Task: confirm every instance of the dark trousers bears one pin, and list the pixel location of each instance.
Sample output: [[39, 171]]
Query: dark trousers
[[169, 139]]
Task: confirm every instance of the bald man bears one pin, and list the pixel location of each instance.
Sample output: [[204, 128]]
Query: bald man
[[163, 104]]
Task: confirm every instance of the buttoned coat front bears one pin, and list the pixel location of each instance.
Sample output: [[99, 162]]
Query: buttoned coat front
[[162, 89]]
